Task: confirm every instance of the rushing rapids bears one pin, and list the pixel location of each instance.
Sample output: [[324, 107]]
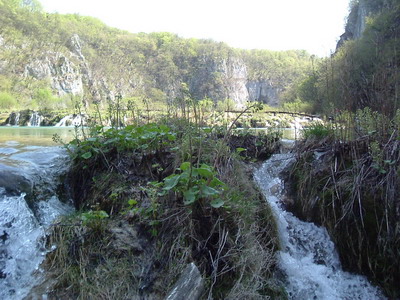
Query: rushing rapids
[[308, 257], [28, 205]]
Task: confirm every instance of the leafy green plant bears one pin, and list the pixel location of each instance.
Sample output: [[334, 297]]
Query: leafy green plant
[[94, 219], [147, 138], [195, 183], [147, 213], [318, 131]]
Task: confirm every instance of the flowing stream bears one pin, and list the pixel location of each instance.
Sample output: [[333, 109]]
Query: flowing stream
[[29, 203], [308, 257]]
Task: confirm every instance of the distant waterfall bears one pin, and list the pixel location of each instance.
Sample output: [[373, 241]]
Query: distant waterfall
[[14, 119], [71, 120], [35, 119]]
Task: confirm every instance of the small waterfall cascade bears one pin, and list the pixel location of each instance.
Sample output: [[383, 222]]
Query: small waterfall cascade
[[35, 119], [29, 204], [14, 119], [71, 120], [308, 257]]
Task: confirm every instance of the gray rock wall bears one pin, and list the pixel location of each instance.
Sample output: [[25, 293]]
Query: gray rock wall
[[69, 72], [264, 91], [228, 78], [357, 18]]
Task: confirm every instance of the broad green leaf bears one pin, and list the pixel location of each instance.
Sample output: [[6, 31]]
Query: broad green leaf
[[185, 166], [111, 141], [216, 182], [101, 214], [171, 137], [207, 191], [86, 155], [132, 202], [190, 196], [164, 128], [217, 203], [205, 172], [171, 181]]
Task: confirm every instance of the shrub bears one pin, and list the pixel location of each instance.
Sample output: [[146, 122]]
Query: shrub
[[7, 101], [317, 131]]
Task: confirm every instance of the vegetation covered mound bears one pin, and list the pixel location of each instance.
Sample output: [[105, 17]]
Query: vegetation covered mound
[[348, 181], [150, 199]]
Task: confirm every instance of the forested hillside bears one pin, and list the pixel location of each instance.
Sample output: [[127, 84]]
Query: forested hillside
[[47, 58], [364, 71]]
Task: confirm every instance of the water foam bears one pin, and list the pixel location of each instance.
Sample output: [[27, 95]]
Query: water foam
[[308, 256]]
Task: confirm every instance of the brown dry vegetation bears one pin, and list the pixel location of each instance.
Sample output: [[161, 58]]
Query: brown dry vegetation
[[351, 186], [140, 249]]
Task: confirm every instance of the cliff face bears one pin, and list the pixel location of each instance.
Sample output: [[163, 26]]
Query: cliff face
[[357, 18], [229, 78], [81, 57], [70, 73]]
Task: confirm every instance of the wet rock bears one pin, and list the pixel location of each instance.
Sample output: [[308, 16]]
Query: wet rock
[[190, 285], [14, 184]]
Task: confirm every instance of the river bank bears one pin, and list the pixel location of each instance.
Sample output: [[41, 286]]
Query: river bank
[[152, 200], [250, 119], [348, 182]]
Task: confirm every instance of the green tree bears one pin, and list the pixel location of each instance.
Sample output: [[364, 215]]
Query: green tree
[[7, 101]]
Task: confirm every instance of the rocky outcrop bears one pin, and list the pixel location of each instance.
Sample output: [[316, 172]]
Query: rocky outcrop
[[229, 79], [13, 182], [357, 18], [264, 91], [65, 76], [73, 69], [190, 285]]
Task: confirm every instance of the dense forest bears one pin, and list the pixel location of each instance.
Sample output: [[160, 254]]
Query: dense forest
[[47, 59]]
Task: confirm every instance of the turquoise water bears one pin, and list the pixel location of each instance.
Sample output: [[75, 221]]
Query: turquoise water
[[35, 136]]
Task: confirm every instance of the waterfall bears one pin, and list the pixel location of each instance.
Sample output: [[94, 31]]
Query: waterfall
[[71, 120], [14, 119], [35, 119], [28, 205], [308, 257]]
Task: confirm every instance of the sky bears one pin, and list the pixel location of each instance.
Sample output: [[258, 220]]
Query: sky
[[312, 25]]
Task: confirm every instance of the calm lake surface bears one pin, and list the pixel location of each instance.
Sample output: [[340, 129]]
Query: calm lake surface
[[35, 136], [43, 136]]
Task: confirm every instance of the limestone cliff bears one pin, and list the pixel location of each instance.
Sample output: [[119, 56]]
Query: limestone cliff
[[356, 21], [81, 57], [70, 73]]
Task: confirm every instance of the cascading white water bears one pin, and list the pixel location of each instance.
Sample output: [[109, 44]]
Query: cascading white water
[[27, 174], [71, 120], [14, 119], [308, 256], [35, 119]]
